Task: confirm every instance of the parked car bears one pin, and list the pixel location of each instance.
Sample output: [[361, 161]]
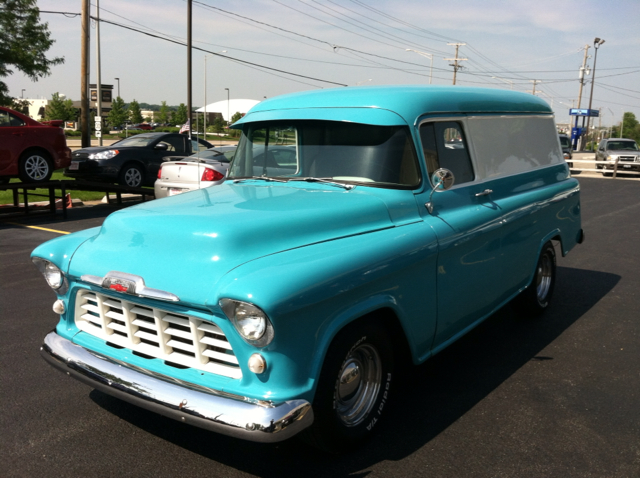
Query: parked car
[[200, 170], [30, 150], [145, 126], [565, 144], [288, 298], [132, 161], [621, 150]]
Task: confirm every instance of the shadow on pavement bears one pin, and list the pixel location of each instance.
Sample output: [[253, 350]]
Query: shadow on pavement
[[439, 392]]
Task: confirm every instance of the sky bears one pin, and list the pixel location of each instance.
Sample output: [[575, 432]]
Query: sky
[[275, 47]]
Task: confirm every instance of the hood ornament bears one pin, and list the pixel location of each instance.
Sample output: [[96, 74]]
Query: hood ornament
[[128, 284]]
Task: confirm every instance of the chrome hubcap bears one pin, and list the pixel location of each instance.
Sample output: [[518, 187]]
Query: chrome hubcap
[[36, 167], [543, 277], [133, 177], [358, 384]]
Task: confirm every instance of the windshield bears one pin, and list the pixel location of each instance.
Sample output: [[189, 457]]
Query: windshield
[[622, 145], [338, 151], [564, 142], [138, 141]]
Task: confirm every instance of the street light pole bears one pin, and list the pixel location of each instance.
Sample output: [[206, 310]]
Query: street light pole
[[597, 42], [118, 80], [228, 113], [22, 93], [205, 93], [428, 55]]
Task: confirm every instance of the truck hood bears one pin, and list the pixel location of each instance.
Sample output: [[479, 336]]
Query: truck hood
[[185, 244]]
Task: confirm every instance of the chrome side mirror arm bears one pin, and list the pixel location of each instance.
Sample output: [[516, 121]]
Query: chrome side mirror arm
[[442, 180]]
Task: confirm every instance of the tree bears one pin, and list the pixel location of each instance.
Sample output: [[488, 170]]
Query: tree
[[20, 105], [23, 43], [163, 115], [119, 113], [60, 109], [218, 125], [135, 115], [180, 116], [236, 116]]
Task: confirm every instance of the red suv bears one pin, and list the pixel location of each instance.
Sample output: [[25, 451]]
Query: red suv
[[30, 150]]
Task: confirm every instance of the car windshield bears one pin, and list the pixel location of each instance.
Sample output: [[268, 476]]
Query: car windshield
[[564, 142], [138, 141], [342, 152], [622, 145]]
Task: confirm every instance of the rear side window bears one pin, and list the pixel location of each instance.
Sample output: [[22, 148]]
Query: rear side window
[[444, 146], [174, 143], [7, 119]]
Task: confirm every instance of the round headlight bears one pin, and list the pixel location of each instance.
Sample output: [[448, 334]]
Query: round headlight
[[250, 321], [52, 274]]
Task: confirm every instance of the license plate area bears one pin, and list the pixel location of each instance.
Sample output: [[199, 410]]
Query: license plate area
[[74, 166], [174, 191]]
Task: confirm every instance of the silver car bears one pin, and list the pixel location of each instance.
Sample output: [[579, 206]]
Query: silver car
[[624, 151], [201, 170]]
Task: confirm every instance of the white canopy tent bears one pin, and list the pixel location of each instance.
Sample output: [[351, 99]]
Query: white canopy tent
[[228, 109]]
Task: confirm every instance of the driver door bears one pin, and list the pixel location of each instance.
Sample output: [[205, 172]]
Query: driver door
[[468, 226]]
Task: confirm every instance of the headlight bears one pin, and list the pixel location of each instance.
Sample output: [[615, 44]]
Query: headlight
[[104, 154], [52, 274], [609, 158], [250, 321]]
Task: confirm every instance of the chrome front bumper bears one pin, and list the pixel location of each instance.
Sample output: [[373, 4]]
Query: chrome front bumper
[[220, 412]]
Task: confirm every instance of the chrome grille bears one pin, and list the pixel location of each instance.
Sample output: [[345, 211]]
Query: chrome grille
[[627, 158], [178, 339]]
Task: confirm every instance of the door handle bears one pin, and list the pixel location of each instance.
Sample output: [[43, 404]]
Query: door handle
[[486, 192]]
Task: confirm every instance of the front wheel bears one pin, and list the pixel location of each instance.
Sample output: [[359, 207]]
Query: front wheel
[[535, 299], [35, 167], [131, 175], [353, 389]]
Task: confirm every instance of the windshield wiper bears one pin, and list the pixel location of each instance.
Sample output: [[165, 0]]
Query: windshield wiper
[[262, 178], [348, 187]]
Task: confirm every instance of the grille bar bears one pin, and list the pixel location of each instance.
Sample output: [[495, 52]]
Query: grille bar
[[177, 339]]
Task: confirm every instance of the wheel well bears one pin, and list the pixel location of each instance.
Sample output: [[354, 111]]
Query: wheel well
[[390, 321], [35, 149]]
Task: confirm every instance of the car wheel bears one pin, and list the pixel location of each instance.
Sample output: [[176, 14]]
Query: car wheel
[[35, 167], [353, 389], [131, 175], [535, 299]]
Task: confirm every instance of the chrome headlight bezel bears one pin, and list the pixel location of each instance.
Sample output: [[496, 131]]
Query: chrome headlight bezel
[[251, 322], [52, 274], [110, 153]]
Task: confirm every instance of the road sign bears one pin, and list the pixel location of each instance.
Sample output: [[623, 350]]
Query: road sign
[[98, 133], [98, 118], [98, 125]]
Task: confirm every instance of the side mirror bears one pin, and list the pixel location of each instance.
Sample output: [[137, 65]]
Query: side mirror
[[442, 180], [161, 147]]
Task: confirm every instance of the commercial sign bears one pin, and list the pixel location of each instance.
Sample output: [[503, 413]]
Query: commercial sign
[[583, 112]]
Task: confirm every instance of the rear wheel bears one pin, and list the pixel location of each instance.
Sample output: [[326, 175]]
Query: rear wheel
[[535, 299], [353, 389], [35, 167], [131, 175]]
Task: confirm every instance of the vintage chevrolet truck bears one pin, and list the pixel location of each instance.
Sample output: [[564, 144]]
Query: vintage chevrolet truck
[[356, 227]]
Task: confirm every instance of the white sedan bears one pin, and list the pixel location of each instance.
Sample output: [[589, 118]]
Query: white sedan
[[201, 170]]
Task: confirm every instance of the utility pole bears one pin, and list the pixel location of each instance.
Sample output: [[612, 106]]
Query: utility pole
[[583, 70], [455, 60], [189, 4], [99, 78], [535, 82], [84, 77]]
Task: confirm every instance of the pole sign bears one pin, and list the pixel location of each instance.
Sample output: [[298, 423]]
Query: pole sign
[[98, 126], [583, 112]]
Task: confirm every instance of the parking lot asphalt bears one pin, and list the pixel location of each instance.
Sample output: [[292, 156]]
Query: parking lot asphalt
[[552, 397]]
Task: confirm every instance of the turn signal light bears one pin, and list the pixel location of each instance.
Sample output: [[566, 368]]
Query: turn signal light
[[160, 173]]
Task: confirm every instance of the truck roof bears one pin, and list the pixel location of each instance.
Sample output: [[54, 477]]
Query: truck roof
[[395, 105]]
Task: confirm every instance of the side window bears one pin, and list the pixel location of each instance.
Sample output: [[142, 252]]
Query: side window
[[444, 146], [7, 119], [175, 143]]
